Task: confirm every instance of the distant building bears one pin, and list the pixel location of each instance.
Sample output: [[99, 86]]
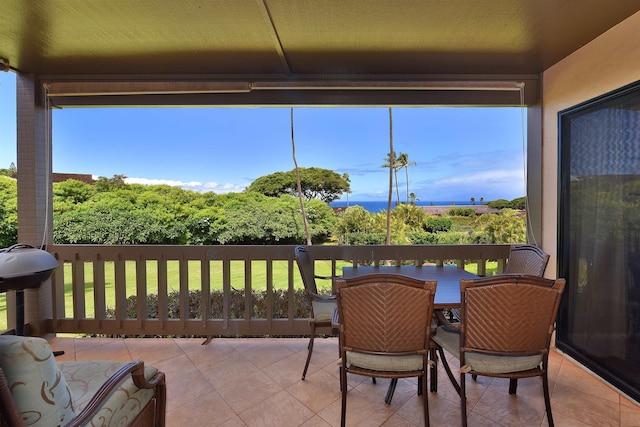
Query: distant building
[[61, 177]]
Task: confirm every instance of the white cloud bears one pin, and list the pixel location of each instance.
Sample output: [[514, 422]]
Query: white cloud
[[486, 176], [191, 185]]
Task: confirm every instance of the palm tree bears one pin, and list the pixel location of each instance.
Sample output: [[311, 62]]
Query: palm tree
[[392, 159], [345, 176], [392, 164], [403, 162], [295, 162]]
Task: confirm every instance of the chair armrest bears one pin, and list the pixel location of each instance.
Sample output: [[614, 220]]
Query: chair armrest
[[9, 413], [327, 277], [317, 297], [136, 370]]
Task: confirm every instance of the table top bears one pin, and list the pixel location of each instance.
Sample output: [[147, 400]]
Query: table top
[[448, 277]]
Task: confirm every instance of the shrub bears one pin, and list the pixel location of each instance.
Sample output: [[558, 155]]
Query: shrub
[[423, 238], [462, 212], [437, 224], [280, 308], [362, 238]]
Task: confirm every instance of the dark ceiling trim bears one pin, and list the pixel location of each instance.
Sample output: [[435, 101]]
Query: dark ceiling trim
[[273, 33], [455, 90]]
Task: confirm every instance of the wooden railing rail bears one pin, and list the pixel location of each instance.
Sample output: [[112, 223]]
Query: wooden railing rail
[[202, 269]]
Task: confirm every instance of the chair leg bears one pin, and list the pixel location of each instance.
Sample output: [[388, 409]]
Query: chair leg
[[310, 347], [463, 400], [547, 401], [390, 391], [422, 382], [447, 368], [513, 385], [433, 355], [343, 383]]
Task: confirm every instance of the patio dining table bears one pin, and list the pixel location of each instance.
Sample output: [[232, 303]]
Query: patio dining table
[[448, 277], [447, 291]]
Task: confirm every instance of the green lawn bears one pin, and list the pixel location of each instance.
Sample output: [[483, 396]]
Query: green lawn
[[259, 279]]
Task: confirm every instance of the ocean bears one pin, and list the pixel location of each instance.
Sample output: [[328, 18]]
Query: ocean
[[377, 206]]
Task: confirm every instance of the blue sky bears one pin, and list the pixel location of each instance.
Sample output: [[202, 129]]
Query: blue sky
[[460, 152]]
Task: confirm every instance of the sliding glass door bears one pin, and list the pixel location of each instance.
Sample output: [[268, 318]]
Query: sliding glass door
[[599, 236]]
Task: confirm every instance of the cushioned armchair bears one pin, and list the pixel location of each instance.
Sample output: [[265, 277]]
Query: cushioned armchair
[[36, 391]]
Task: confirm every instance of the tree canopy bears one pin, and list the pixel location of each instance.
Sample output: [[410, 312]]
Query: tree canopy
[[316, 183]]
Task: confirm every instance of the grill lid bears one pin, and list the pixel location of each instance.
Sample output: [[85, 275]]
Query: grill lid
[[23, 266]]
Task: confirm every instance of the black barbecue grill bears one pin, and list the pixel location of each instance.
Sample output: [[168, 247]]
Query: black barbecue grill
[[24, 267]]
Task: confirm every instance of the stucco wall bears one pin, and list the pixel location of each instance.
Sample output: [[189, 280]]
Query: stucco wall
[[609, 62]]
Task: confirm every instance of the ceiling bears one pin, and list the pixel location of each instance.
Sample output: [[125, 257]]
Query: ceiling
[[282, 40]]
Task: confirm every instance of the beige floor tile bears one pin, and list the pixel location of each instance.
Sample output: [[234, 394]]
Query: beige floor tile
[[629, 416], [104, 349], [152, 350], [248, 391], [281, 409], [318, 391], [288, 370], [361, 410], [584, 407], [227, 372], [315, 421], [526, 408], [208, 410], [571, 375], [185, 382]]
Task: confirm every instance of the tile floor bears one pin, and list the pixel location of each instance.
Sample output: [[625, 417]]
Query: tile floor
[[256, 382]]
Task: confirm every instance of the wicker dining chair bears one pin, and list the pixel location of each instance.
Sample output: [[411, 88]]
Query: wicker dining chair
[[385, 328], [526, 259], [322, 308], [523, 259], [505, 331]]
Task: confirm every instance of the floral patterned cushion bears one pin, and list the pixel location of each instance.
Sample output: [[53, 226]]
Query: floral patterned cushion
[[37, 384], [125, 402]]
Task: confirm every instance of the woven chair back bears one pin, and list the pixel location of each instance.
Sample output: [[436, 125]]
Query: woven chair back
[[385, 313], [306, 269], [510, 315], [527, 259]]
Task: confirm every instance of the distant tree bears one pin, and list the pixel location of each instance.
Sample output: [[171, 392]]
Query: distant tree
[[10, 172], [509, 226], [498, 204], [519, 203], [473, 200], [8, 212], [72, 191], [413, 198], [316, 183], [107, 184]]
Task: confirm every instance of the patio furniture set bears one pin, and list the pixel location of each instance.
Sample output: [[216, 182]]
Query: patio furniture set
[[391, 323]]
